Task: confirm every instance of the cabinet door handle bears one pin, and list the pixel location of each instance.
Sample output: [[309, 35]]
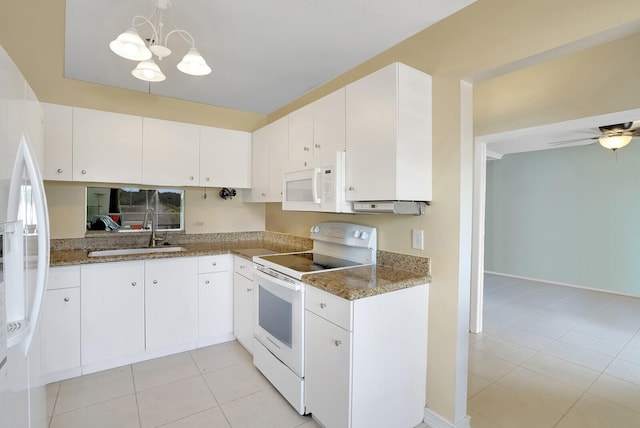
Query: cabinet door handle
[[66, 299], [242, 266], [206, 282], [249, 290], [84, 171], [155, 281], [134, 284], [337, 342], [191, 177], [351, 188], [214, 264], [323, 305], [59, 170], [206, 179], [317, 146]]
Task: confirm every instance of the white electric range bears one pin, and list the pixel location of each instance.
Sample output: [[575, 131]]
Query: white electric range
[[279, 330]]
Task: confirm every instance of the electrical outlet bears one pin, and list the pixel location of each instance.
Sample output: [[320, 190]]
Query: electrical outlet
[[417, 239]]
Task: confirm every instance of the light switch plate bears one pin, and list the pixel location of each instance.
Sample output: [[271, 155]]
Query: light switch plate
[[417, 239]]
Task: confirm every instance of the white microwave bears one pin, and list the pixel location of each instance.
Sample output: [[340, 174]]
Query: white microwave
[[319, 188]]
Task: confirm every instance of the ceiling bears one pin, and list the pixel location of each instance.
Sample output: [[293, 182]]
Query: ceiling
[[264, 54], [558, 135]]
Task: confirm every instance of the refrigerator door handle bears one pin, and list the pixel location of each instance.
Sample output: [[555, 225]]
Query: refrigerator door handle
[[25, 163]]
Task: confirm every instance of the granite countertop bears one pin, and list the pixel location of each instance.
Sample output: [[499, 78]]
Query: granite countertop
[[351, 284], [365, 281], [246, 249]]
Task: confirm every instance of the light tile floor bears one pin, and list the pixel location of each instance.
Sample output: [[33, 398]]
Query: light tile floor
[[214, 387], [549, 356], [553, 356]]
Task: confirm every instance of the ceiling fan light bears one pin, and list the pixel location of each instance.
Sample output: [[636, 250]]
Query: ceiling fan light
[[148, 71], [615, 142], [194, 64], [130, 45]]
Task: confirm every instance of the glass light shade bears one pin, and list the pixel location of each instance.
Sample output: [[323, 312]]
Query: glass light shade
[[148, 71], [129, 45], [615, 142], [194, 64]]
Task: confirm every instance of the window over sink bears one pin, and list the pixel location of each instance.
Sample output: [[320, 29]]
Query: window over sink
[[124, 209]]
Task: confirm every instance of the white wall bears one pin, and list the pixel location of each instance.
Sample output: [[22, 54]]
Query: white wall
[[567, 215]]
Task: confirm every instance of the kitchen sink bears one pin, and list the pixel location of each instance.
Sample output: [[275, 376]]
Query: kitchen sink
[[133, 251]]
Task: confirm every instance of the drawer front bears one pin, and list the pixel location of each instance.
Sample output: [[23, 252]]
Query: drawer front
[[330, 307], [63, 277], [243, 267], [219, 263]]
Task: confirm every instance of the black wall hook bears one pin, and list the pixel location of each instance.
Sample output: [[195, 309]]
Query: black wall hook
[[226, 193]]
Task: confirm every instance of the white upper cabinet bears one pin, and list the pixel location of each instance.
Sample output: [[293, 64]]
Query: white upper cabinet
[[225, 158], [170, 152], [316, 129], [329, 123], [58, 137], [107, 147], [301, 138], [269, 158], [259, 167], [388, 135], [278, 153]]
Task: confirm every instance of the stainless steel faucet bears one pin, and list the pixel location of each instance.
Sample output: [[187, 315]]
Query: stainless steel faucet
[[154, 226]]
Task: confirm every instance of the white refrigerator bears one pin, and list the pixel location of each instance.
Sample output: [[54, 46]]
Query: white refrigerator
[[24, 251]]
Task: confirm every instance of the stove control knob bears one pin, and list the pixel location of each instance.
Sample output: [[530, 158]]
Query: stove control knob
[[364, 235], [356, 234]]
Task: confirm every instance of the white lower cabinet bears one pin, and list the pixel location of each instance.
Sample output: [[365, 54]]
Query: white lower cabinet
[[60, 325], [171, 303], [112, 313], [215, 300], [133, 311], [328, 356], [366, 359], [244, 304]]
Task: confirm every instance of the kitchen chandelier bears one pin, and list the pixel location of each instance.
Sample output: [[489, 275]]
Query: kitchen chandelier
[[615, 142], [131, 46]]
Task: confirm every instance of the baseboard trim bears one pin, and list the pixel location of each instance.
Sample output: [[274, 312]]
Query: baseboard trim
[[434, 420], [564, 284]]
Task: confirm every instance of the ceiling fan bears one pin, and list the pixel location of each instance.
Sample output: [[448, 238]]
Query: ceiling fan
[[612, 137]]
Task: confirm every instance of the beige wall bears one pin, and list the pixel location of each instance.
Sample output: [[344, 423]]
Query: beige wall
[[485, 36], [66, 202], [600, 80]]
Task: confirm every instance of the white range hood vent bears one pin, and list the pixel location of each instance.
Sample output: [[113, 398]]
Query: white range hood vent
[[390, 207]]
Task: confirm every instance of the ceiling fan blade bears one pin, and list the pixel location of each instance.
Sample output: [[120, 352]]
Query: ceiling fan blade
[[574, 140]]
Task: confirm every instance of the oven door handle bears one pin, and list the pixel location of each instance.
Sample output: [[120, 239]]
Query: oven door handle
[[277, 279]]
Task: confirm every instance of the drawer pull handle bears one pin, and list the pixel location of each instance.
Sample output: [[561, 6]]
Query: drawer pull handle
[[134, 284], [59, 170], [249, 290], [323, 305], [66, 299], [206, 282], [155, 281], [242, 266], [337, 342], [84, 171], [214, 264], [191, 177]]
